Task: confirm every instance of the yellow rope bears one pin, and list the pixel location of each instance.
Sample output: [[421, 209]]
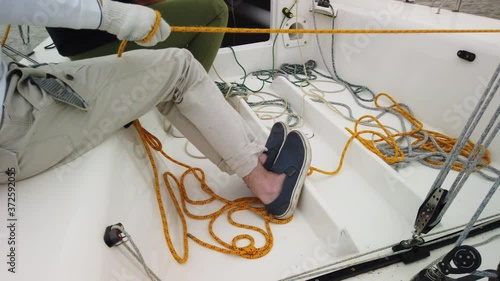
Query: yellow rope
[[155, 28], [156, 25], [5, 35], [446, 143], [250, 251], [204, 29]]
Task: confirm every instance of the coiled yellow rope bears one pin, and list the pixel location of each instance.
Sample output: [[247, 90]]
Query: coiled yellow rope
[[249, 251], [248, 203], [230, 206], [446, 143]]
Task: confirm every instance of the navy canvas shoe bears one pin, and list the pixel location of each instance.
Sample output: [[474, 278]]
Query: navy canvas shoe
[[293, 160], [274, 143]]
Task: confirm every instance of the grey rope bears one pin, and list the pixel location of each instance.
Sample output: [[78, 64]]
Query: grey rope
[[467, 131], [478, 212], [354, 89], [137, 254], [485, 274], [358, 89], [472, 162], [475, 156], [239, 90], [412, 152], [292, 118]]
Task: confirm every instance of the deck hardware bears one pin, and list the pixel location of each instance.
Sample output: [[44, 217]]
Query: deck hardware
[[324, 3], [409, 256], [323, 7], [287, 13], [114, 237], [427, 219], [293, 40], [465, 258], [415, 254], [428, 213], [414, 241], [466, 55], [433, 272]]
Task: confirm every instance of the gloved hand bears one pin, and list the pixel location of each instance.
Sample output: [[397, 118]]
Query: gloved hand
[[132, 22]]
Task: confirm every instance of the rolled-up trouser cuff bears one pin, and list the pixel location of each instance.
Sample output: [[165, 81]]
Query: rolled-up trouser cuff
[[245, 161]]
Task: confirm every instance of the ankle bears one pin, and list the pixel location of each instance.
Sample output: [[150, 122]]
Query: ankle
[[264, 184]]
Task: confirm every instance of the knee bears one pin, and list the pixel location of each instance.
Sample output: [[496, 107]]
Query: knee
[[184, 60], [178, 56], [219, 9], [187, 58]]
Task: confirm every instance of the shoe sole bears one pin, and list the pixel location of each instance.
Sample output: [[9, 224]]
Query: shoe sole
[[303, 174]]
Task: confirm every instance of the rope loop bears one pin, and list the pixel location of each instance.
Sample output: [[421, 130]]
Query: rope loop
[[436, 144], [148, 38], [249, 204], [156, 25]]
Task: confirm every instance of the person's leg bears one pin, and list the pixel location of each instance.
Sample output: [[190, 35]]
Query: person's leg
[[203, 46], [38, 133], [116, 91]]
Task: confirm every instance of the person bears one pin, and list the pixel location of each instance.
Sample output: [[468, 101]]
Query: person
[[77, 105], [89, 43]]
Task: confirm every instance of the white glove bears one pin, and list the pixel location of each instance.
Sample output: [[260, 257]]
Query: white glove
[[132, 22]]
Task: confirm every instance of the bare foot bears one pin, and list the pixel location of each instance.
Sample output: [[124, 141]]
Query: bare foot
[[264, 184]]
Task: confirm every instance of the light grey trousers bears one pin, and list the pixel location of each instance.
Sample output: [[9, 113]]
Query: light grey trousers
[[38, 132]]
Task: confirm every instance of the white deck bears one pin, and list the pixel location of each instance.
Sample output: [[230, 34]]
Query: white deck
[[62, 213]]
